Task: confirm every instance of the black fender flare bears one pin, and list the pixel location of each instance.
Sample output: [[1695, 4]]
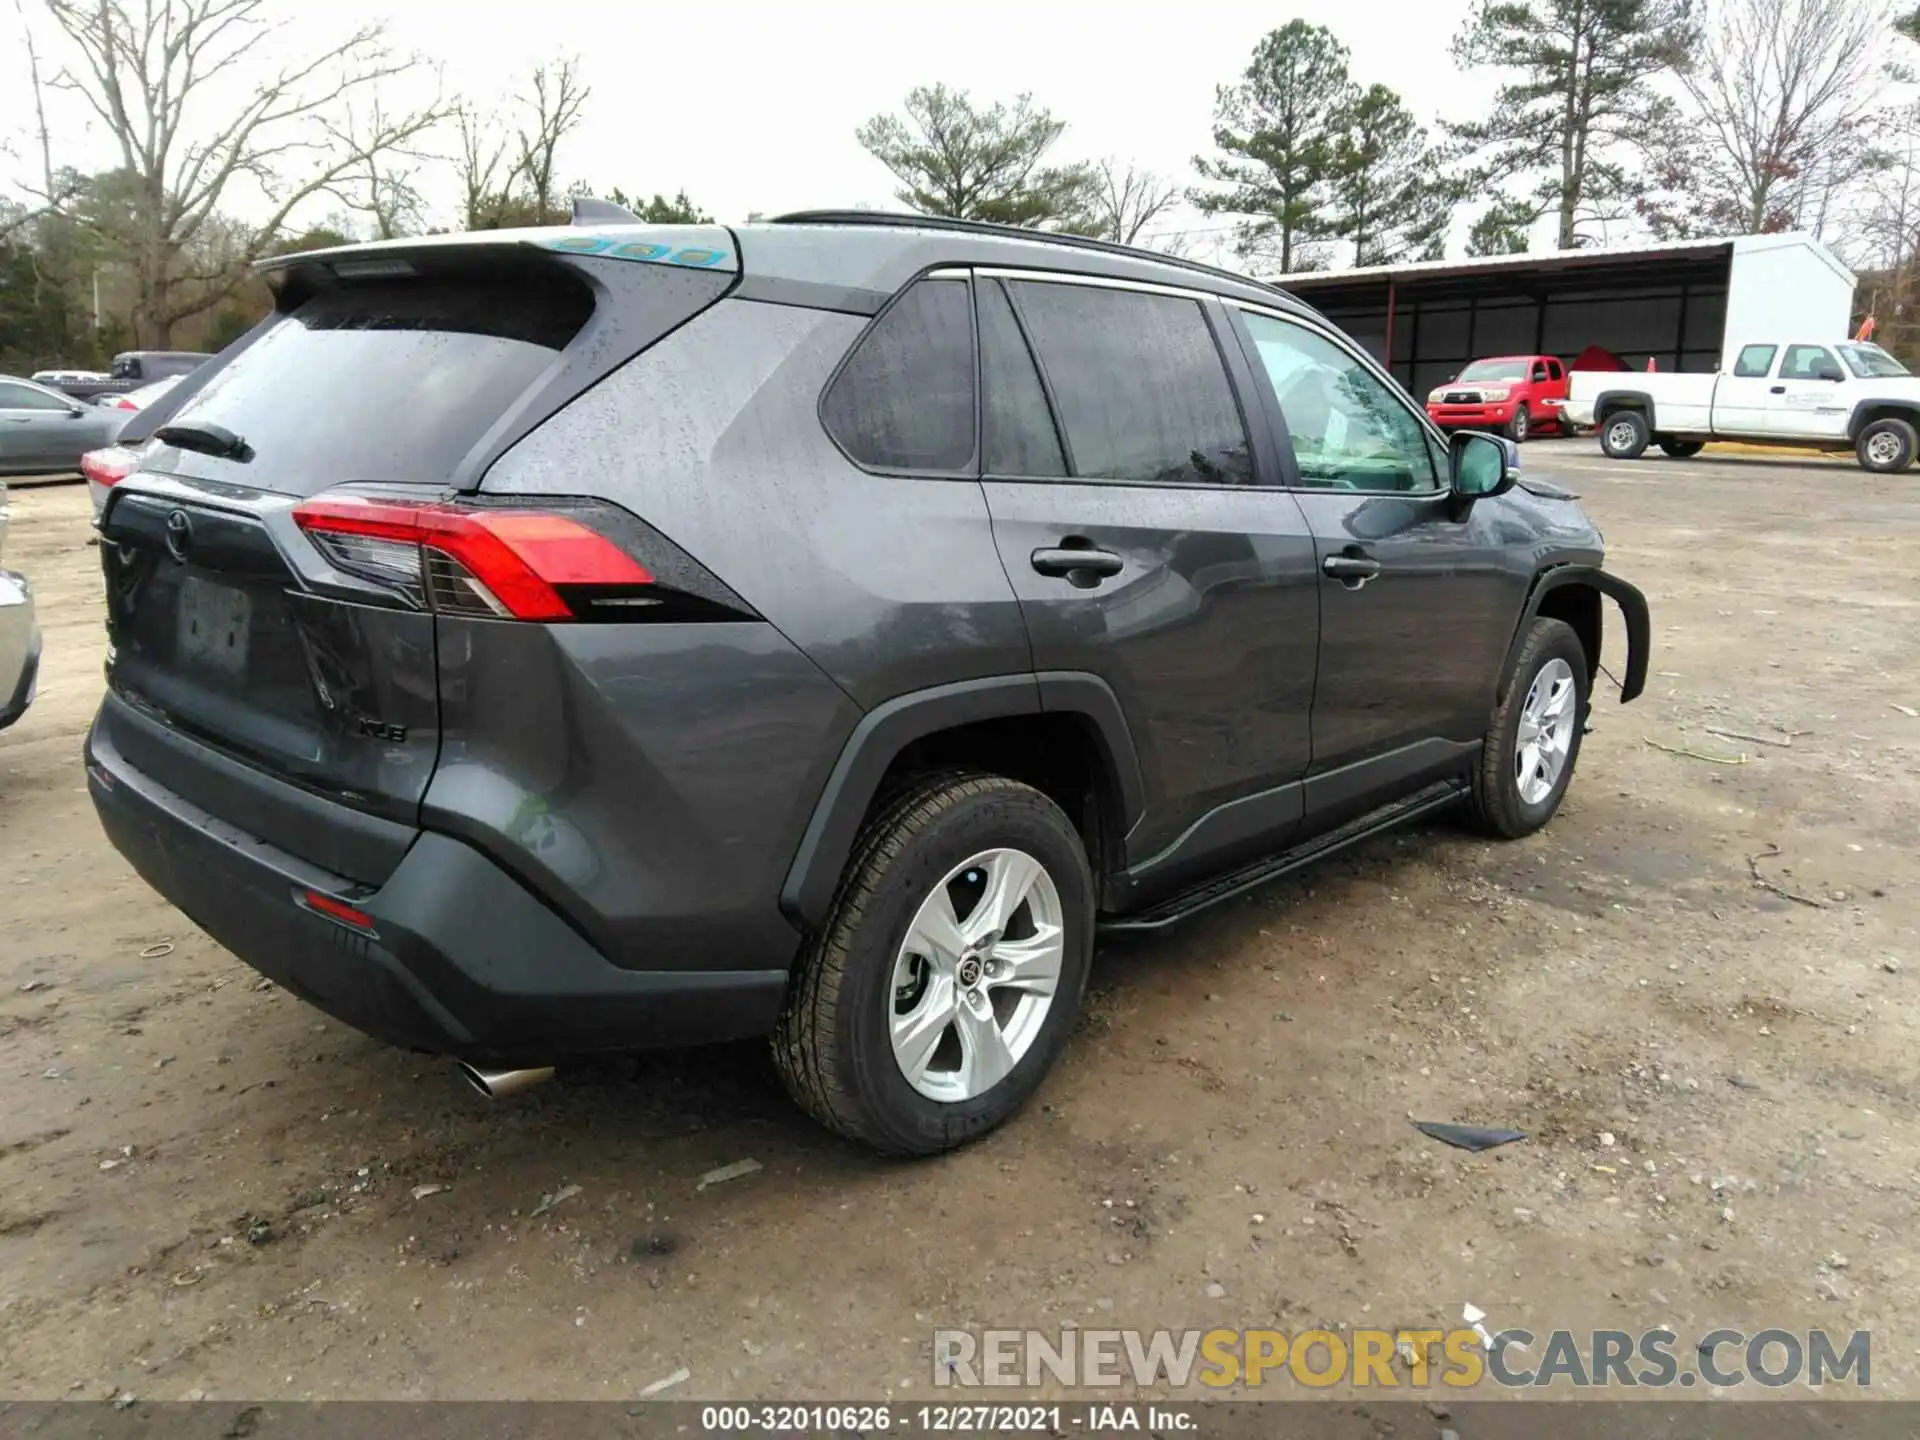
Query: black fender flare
[[1907, 410], [887, 729], [1633, 610], [1637, 400]]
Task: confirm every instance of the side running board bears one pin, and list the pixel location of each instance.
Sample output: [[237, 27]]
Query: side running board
[[1271, 867]]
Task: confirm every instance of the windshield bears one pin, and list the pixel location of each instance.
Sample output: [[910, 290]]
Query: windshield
[[1870, 362], [1495, 370]]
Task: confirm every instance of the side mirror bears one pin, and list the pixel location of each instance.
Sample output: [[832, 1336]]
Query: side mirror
[[1828, 372], [74, 412], [1483, 465]]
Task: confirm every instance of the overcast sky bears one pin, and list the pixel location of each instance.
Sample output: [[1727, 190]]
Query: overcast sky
[[752, 105]]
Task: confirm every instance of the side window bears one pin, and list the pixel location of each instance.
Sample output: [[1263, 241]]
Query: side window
[[904, 398], [1554, 372], [1349, 431], [1142, 390], [1018, 434], [1754, 362], [1808, 362], [25, 397], [1539, 373]]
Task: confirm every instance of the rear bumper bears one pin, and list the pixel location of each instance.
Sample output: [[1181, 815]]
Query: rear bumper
[[19, 647], [462, 959]]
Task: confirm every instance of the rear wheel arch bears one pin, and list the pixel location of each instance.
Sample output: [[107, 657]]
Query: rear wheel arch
[[1611, 402], [1062, 733]]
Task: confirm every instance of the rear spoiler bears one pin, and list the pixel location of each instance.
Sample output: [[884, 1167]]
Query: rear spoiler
[[698, 247]]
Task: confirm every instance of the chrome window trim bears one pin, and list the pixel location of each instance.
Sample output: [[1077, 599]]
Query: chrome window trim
[[1100, 282]]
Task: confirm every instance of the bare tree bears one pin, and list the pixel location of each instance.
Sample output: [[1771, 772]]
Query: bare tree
[[1887, 229], [553, 111], [1780, 94], [1125, 200], [482, 165], [381, 185], [143, 67], [52, 188]]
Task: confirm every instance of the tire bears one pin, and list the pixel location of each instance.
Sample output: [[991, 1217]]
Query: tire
[[1501, 804], [1624, 435], [834, 1044], [1886, 446], [1683, 449], [1519, 426]]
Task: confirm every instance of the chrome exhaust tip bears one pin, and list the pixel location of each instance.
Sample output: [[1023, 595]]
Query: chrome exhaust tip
[[498, 1084]]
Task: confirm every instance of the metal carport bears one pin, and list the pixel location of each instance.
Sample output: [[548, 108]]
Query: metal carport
[[1667, 303]]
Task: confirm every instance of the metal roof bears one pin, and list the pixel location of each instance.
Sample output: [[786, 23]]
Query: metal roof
[[1677, 256]]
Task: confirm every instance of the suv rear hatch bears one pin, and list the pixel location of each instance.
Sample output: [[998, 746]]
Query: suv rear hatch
[[274, 567]]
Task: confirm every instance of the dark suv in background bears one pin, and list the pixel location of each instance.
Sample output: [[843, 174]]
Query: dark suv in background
[[641, 636]]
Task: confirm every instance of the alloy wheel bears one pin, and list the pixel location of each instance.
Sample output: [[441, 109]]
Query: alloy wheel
[[1544, 737], [976, 975]]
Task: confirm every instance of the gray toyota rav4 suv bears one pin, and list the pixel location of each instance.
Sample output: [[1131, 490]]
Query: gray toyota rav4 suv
[[533, 644]]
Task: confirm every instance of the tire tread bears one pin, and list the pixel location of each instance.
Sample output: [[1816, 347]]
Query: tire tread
[[1493, 805], [804, 1051]]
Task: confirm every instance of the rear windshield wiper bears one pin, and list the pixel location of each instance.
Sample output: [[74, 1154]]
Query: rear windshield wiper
[[215, 440]]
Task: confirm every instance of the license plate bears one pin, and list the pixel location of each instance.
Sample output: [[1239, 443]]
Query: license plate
[[212, 627]]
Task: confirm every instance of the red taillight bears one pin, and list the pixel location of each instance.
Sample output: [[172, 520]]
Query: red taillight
[[124, 404], [337, 910], [109, 466], [508, 561]]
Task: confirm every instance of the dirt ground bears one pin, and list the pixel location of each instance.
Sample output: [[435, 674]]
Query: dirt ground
[[1718, 1081]]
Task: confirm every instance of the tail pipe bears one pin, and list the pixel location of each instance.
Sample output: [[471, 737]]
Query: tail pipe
[[498, 1084]]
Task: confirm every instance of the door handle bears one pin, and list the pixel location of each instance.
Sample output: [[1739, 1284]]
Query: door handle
[[1352, 571], [1071, 563], [1777, 390]]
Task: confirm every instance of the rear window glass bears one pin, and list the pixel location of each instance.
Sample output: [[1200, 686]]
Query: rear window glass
[[1142, 391], [1018, 427], [391, 380], [904, 399]]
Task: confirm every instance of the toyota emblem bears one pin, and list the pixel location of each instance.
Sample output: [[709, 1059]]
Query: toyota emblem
[[179, 535]]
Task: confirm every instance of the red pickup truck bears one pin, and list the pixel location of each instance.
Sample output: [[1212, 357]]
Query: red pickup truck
[[1515, 394]]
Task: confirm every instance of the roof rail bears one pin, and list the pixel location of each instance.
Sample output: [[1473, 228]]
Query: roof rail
[[590, 210], [899, 220]]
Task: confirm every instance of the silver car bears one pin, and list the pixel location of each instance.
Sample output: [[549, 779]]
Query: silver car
[[43, 431], [19, 636]]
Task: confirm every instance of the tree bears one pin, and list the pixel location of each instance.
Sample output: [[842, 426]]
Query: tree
[[957, 160], [482, 168], [1387, 191], [1505, 228], [511, 178], [552, 112], [1582, 99], [144, 67], [52, 189], [680, 210], [38, 321], [1779, 95], [1125, 201], [381, 185], [1277, 130]]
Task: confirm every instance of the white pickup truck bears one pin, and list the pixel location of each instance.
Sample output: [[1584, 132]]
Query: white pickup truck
[[1843, 396]]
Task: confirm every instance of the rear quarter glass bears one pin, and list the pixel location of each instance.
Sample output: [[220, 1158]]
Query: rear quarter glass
[[398, 379]]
